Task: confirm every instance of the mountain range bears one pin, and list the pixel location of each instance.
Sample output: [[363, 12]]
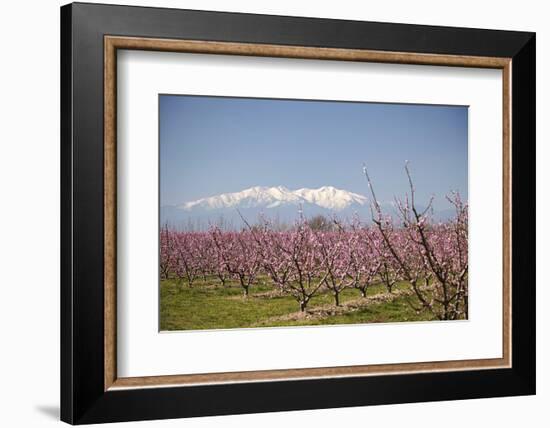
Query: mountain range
[[278, 203]]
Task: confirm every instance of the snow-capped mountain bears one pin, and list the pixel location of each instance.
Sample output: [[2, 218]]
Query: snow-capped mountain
[[271, 197], [275, 202]]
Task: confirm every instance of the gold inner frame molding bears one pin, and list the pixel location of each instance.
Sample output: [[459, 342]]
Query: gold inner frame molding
[[113, 43]]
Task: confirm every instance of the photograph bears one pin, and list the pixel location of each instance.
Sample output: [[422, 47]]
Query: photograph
[[283, 212]]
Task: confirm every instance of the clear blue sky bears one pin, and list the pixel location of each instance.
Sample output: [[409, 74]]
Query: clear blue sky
[[213, 145]]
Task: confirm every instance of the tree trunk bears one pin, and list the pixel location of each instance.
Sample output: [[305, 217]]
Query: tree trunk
[[303, 306], [337, 298], [245, 291], [363, 292]]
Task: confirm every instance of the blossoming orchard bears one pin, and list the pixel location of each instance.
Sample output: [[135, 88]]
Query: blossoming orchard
[[410, 257]]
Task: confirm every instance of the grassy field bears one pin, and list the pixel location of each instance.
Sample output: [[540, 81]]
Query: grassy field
[[206, 306]]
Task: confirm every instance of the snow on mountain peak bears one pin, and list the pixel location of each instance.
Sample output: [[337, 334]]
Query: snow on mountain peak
[[331, 198], [270, 197]]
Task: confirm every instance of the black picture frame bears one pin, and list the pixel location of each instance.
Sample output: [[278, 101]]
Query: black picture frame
[[83, 398]]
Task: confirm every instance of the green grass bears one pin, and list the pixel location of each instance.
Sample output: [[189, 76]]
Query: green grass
[[205, 306], [397, 310]]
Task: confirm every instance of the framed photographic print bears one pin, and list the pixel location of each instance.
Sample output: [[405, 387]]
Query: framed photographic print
[[266, 213]]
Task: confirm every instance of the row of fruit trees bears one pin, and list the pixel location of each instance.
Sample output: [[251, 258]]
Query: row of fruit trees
[[432, 257]]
